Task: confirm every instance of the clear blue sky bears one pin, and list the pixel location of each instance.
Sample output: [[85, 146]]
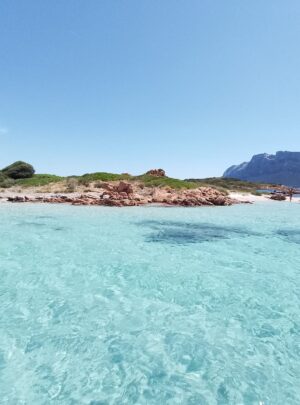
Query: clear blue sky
[[128, 85]]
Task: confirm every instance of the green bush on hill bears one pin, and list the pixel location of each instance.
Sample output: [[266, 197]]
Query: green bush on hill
[[22, 174], [19, 170], [5, 182], [102, 176], [153, 181], [39, 180], [12, 173], [230, 184], [2, 177]]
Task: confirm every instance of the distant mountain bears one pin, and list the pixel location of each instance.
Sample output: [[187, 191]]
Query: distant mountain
[[281, 168]]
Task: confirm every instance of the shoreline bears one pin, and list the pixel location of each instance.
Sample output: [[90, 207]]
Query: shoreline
[[247, 197], [123, 195], [161, 198]]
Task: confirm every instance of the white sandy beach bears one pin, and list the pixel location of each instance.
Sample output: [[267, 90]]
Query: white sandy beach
[[257, 198]]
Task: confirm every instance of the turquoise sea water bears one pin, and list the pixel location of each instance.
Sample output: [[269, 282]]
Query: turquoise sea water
[[150, 305]]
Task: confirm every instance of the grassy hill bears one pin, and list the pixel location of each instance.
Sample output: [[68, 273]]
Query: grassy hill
[[222, 184], [21, 174], [38, 180], [233, 185]]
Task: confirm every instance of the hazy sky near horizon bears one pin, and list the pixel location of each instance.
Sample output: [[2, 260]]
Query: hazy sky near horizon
[[124, 86]]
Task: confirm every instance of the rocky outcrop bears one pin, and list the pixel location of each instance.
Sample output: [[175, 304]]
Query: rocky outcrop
[[123, 187], [278, 197], [156, 173], [282, 168], [125, 195]]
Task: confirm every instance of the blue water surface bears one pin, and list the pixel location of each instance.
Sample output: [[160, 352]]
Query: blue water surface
[[150, 305]]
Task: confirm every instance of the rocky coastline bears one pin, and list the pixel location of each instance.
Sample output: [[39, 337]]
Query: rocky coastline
[[125, 194]]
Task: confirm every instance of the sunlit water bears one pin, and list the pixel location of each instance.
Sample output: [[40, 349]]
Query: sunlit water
[[150, 305]]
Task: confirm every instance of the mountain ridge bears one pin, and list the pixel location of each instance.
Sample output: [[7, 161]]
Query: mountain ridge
[[280, 168]]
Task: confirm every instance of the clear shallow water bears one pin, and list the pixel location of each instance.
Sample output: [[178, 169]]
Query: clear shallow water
[[150, 305]]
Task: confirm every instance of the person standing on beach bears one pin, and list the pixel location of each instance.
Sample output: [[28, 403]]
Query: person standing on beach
[[291, 192]]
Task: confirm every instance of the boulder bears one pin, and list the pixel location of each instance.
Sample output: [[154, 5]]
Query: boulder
[[17, 199], [123, 187], [104, 185]]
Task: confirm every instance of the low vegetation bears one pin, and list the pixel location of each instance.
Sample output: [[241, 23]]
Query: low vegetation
[[102, 176], [5, 181], [38, 180], [147, 180], [228, 184], [22, 174], [152, 181]]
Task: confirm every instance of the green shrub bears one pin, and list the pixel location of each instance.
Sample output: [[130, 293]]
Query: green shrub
[[230, 184], [153, 181], [5, 182], [71, 184], [39, 180], [2, 177], [19, 170], [102, 176], [98, 184], [84, 181]]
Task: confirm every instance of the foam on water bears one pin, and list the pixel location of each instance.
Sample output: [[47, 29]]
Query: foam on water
[[150, 305]]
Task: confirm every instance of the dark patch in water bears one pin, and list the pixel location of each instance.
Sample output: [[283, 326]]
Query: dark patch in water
[[174, 236], [27, 223], [41, 225], [185, 233], [290, 235]]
